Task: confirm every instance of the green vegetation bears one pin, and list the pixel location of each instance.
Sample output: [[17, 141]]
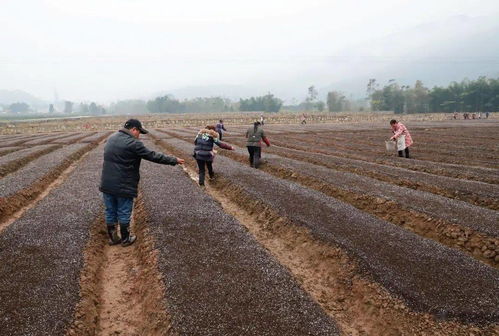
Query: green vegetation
[[467, 96], [267, 103], [168, 104]]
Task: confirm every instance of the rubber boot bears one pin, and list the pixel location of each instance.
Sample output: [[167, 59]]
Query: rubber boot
[[113, 235], [126, 238]]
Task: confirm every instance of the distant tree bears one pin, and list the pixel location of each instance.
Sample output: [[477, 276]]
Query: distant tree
[[51, 108], [68, 107], [19, 107], [133, 106], [311, 98], [267, 103], [95, 109], [320, 106], [84, 108], [335, 101], [467, 96]]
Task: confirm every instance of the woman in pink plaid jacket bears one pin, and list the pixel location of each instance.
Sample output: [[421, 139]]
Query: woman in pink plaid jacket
[[398, 130]]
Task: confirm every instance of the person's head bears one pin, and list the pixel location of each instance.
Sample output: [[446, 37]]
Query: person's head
[[135, 127], [255, 125], [221, 121], [393, 123]]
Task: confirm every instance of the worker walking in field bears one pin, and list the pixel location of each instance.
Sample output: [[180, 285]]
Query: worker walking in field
[[402, 136], [220, 128], [303, 119], [255, 136], [120, 177], [203, 151]]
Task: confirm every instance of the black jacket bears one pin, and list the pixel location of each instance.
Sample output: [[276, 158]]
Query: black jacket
[[204, 145], [122, 156]]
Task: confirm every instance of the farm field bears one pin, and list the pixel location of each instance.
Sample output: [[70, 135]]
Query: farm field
[[332, 235]]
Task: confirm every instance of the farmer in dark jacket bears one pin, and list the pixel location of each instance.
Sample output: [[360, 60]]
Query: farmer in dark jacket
[[220, 128], [120, 177], [203, 151], [255, 137]]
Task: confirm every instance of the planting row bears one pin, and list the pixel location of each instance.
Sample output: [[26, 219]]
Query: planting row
[[427, 214], [474, 192], [22, 186], [488, 175], [218, 279], [58, 138], [378, 151], [15, 160], [453, 223], [429, 276], [42, 255]]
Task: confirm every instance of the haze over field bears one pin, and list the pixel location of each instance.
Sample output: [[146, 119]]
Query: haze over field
[[108, 50]]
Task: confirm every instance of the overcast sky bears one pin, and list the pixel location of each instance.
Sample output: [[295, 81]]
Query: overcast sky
[[106, 50]]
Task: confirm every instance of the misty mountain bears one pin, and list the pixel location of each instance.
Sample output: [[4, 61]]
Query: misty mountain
[[233, 92], [8, 97], [436, 53]]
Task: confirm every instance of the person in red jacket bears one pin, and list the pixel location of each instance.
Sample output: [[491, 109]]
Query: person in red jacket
[[399, 130]]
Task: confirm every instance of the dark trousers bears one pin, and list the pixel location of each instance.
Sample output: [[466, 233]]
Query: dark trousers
[[401, 152], [220, 135], [255, 153], [202, 169]]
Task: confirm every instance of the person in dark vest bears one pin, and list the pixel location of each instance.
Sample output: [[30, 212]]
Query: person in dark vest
[[220, 128], [204, 153], [255, 136], [120, 177]]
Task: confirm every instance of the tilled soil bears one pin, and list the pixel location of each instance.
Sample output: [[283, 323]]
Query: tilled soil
[[218, 279], [474, 192], [397, 210], [42, 255], [49, 139], [451, 154], [17, 141], [439, 218], [453, 211], [11, 162], [429, 276], [74, 138], [96, 137], [483, 174], [18, 188], [7, 150]]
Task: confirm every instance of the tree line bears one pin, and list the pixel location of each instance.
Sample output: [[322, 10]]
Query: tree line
[[478, 95]]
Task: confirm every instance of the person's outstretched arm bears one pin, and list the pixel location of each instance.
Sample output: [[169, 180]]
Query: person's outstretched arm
[[153, 156], [223, 145]]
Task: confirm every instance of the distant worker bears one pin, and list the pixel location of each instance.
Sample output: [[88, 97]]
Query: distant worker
[[455, 115], [487, 115], [400, 132], [303, 119], [120, 176], [203, 151], [262, 119], [220, 128], [255, 136]]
